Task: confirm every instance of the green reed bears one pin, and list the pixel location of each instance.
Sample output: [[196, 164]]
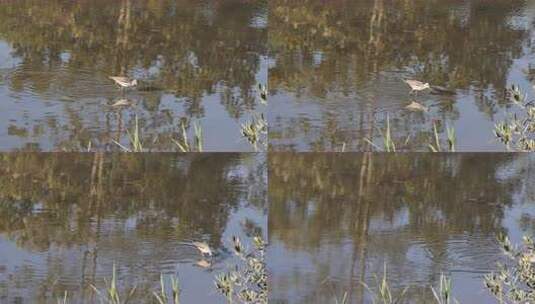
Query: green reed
[[436, 147], [383, 293], [111, 294], [184, 144], [134, 138], [388, 143], [443, 295], [161, 296]]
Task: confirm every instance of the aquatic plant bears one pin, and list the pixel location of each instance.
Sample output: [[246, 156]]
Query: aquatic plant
[[111, 295], [262, 92], [161, 295], [514, 282], [388, 143], [517, 132], [436, 147], [443, 294], [184, 144], [383, 294], [247, 282], [255, 131], [134, 138], [63, 300]]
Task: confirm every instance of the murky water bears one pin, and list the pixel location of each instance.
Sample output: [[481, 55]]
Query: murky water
[[198, 63], [336, 70], [65, 220], [336, 220]]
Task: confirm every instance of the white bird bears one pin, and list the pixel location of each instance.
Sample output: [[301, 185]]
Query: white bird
[[203, 248], [124, 82], [416, 85]]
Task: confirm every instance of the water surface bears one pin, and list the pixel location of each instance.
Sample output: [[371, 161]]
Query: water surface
[[65, 220], [336, 70], [198, 62], [336, 220]]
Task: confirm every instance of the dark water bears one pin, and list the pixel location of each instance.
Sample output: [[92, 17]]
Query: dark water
[[336, 70], [199, 62], [65, 220], [335, 220]]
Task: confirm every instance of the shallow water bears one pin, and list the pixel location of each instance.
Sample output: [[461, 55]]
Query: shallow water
[[65, 220], [198, 62], [336, 70], [419, 215]]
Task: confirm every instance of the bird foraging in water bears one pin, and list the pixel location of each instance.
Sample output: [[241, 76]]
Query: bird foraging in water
[[416, 85], [203, 248], [124, 82]]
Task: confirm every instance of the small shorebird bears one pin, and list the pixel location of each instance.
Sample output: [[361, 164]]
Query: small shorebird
[[416, 85], [203, 248], [124, 82]]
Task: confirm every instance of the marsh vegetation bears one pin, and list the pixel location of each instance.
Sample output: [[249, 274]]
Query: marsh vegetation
[[337, 219], [332, 86], [195, 63], [68, 220]]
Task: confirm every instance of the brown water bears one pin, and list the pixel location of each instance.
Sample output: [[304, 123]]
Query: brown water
[[336, 70], [335, 220], [198, 62], [65, 220]]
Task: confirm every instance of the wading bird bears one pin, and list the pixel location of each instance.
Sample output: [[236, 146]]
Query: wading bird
[[124, 82], [416, 85]]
